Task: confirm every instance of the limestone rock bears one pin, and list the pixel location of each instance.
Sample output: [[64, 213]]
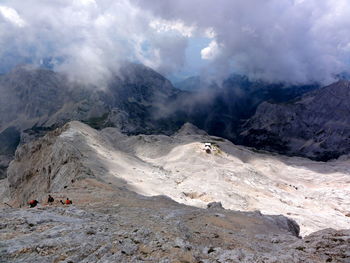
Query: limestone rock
[[315, 126], [215, 205], [120, 186], [177, 167]]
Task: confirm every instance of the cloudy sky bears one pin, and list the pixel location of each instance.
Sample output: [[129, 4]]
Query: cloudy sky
[[297, 41]]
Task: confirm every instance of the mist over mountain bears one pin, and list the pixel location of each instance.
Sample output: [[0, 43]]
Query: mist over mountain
[[221, 108], [34, 101], [136, 100]]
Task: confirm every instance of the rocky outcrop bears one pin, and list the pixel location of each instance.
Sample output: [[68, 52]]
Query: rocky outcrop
[[154, 230], [189, 129], [46, 165], [316, 126], [179, 167], [215, 205], [121, 213]]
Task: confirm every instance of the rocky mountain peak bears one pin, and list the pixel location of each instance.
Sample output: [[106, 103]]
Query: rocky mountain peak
[[190, 129], [317, 125]]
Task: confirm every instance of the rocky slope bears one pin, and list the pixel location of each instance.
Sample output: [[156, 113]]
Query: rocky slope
[[179, 167], [157, 230], [120, 214], [316, 126], [34, 101]]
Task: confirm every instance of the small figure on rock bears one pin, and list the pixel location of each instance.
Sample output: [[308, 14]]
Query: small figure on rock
[[50, 200], [68, 202], [33, 203]]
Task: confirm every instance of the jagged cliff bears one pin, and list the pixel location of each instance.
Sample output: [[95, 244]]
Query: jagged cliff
[[316, 126]]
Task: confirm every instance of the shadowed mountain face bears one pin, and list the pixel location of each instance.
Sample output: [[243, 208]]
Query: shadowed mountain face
[[34, 101], [221, 110], [316, 126], [42, 98]]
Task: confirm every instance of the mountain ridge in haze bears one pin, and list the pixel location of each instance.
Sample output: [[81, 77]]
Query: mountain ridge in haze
[[136, 100], [34, 101]]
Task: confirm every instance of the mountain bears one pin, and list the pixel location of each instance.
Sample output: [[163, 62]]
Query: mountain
[[136, 100], [42, 98], [120, 186], [34, 101], [179, 167], [221, 108], [190, 84], [316, 126]]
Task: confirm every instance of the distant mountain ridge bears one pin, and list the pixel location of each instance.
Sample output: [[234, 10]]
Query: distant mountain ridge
[[34, 101], [316, 126], [136, 100], [220, 110]]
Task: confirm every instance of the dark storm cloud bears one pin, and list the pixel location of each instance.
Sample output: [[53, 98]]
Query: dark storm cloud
[[274, 40]]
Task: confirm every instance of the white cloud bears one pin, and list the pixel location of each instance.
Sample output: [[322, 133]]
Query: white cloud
[[276, 40], [163, 26], [209, 33], [12, 16], [211, 52], [85, 2], [91, 38]]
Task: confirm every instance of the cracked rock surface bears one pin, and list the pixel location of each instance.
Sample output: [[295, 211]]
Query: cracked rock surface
[[144, 198], [157, 229]]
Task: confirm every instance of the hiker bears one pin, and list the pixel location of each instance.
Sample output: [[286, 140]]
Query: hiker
[[33, 203], [50, 200], [68, 202]]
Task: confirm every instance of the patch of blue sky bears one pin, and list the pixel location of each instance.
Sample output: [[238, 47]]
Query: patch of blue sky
[[194, 61]]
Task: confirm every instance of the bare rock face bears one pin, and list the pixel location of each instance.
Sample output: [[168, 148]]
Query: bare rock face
[[190, 129], [287, 223], [121, 213], [35, 101], [47, 165], [178, 167], [316, 126], [4, 162], [154, 230], [215, 205]]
